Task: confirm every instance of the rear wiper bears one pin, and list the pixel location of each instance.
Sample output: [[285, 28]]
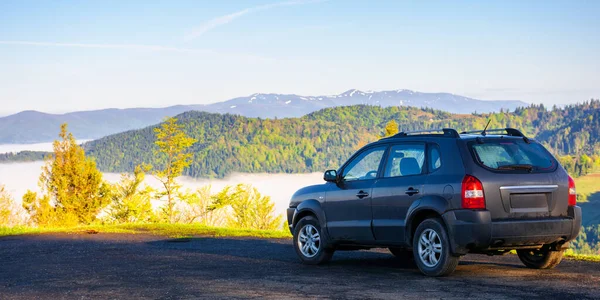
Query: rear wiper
[[516, 167]]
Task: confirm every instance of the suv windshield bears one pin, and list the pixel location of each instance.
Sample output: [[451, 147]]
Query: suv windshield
[[504, 154]]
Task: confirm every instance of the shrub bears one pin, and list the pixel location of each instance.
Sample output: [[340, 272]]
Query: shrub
[[250, 209], [10, 212], [130, 203]]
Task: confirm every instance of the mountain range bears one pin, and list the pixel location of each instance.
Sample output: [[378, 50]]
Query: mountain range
[[38, 127]]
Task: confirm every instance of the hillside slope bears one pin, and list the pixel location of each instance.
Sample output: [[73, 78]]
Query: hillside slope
[[37, 127], [324, 139]]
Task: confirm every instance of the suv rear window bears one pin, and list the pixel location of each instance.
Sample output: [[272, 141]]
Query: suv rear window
[[506, 155]]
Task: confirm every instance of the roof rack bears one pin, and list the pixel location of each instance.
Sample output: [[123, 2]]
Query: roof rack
[[509, 131], [445, 132]]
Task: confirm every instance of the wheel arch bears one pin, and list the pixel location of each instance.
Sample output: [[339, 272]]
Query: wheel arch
[[308, 208], [422, 209]]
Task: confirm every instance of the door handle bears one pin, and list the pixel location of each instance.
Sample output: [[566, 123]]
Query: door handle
[[411, 191], [362, 194]]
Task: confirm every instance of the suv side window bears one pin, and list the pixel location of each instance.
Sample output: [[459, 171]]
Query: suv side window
[[435, 160], [365, 165], [405, 160]]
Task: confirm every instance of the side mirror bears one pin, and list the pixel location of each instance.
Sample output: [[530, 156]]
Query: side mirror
[[330, 176]]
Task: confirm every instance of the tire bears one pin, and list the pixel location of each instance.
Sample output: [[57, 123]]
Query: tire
[[308, 232], [540, 259], [431, 249], [402, 253]]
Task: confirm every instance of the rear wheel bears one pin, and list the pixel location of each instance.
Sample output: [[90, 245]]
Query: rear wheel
[[310, 242], [540, 258], [431, 249]]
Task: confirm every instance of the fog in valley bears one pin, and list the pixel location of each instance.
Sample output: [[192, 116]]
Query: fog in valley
[[19, 177], [6, 148]]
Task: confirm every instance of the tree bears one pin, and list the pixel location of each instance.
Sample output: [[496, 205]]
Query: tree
[[131, 203], [71, 181], [264, 214], [172, 158], [391, 128]]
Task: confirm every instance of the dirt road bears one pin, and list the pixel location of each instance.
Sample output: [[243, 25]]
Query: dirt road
[[119, 266]]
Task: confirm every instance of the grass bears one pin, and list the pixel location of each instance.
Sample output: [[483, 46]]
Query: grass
[[588, 184], [169, 230], [584, 257]]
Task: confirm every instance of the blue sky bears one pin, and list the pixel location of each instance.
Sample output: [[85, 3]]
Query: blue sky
[[59, 56]]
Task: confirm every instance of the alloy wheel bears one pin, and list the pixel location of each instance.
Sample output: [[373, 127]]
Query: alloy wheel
[[430, 248], [309, 240]]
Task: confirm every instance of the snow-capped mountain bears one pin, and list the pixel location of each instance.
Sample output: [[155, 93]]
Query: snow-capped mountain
[[281, 106]]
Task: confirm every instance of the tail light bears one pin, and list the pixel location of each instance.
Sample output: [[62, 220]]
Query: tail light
[[472, 193], [572, 192]]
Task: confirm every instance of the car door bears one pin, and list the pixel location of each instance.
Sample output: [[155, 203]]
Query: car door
[[400, 185], [348, 202]]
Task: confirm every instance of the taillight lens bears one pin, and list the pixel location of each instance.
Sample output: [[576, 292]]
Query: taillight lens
[[472, 193], [572, 192]]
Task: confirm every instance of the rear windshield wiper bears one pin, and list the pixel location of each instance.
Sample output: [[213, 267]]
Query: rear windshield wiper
[[516, 167]]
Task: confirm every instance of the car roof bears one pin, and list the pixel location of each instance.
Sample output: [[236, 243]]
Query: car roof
[[441, 136], [488, 136], [449, 133]]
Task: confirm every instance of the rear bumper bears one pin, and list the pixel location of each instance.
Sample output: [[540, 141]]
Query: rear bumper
[[474, 230]]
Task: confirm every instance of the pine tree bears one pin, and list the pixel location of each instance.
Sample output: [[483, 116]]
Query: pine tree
[[72, 182]]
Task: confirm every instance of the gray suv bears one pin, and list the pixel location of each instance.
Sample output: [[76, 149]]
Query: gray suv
[[434, 196]]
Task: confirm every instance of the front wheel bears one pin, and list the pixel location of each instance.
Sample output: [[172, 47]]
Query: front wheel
[[310, 242], [431, 248], [540, 258]]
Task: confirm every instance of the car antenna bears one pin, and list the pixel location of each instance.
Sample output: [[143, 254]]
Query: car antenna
[[486, 126]]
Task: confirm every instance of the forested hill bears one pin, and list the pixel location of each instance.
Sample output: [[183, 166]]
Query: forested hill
[[324, 139]]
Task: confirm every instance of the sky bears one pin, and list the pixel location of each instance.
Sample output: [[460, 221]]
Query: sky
[[59, 56]]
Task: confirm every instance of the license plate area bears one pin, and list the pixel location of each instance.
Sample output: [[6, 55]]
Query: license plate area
[[529, 202], [536, 199]]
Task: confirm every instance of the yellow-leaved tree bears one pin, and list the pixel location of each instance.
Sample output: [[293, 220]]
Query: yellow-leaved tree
[[391, 128], [173, 157], [73, 189]]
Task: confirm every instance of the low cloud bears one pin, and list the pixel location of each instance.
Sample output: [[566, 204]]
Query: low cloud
[[20, 177]]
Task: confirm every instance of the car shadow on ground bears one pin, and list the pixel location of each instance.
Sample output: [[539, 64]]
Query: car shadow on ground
[[283, 251]]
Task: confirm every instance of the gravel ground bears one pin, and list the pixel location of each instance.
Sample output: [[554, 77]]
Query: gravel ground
[[122, 266]]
